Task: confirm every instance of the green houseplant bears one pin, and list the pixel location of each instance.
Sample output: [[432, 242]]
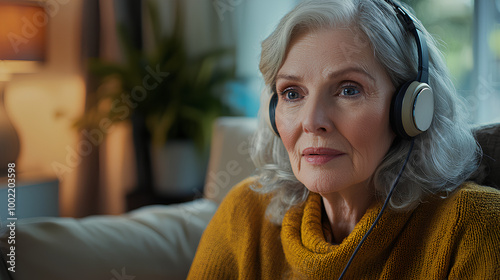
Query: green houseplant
[[178, 95]]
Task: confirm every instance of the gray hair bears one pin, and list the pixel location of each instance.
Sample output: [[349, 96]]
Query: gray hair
[[443, 157]]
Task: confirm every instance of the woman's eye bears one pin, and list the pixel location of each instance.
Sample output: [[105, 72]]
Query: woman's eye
[[349, 91], [291, 95]]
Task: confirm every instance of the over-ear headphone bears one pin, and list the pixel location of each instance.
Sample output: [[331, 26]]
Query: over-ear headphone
[[412, 107], [271, 116]]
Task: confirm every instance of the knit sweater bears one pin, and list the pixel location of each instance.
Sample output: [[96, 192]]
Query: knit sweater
[[453, 238]]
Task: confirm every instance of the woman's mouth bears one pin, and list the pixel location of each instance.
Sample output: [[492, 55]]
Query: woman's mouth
[[319, 156]]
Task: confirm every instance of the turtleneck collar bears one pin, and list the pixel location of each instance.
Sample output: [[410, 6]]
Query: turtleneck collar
[[307, 250]]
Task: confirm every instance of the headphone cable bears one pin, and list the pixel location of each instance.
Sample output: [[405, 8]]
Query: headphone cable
[[381, 211]]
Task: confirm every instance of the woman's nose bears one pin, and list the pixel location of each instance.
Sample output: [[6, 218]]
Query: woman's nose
[[317, 116]]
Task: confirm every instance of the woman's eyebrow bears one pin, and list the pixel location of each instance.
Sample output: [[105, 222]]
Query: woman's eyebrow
[[329, 74], [348, 70], [289, 77]]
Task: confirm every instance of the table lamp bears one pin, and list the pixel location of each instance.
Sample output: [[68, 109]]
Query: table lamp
[[22, 49]]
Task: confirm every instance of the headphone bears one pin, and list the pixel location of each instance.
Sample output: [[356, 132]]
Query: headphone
[[412, 106]]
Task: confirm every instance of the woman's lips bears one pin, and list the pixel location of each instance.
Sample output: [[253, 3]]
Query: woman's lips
[[318, 156]]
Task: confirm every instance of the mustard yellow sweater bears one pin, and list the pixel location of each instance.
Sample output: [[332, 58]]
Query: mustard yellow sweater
[[453, 238]]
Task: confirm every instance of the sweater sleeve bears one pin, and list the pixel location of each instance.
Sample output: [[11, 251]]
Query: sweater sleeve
[[478, 249], [218, 252]]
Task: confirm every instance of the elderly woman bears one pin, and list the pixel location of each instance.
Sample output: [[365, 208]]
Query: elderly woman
[[335, 151]]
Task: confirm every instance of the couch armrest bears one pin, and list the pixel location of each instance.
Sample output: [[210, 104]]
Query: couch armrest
[[149, 243]]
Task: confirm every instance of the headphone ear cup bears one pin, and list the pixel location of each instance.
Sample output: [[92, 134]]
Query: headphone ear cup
[[396, 111], [271, 116], [412, 109]]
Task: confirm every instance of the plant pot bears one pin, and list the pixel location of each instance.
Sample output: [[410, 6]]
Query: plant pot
[[178, 169]]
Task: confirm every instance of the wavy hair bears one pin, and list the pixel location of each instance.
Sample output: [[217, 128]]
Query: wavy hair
[[443, 157]]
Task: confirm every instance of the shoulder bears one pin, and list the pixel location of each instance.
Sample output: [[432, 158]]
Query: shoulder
[[475, 213], [243, 188], [237, 235], [244, 194], [243, 205], [472, 188], [472, 196], [475, 206]]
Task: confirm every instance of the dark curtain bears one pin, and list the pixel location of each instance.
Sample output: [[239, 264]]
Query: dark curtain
[[129, 15], [90, 198], [87, 200]]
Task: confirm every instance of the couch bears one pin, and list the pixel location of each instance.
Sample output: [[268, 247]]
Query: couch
[[153, 242], [159, 241]]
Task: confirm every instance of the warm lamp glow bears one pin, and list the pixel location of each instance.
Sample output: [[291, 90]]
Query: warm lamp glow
[[22, 42], [22, 31]]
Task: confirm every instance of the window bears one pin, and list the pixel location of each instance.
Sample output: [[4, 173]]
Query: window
[[470, 34], [485, 99], [252, 21]]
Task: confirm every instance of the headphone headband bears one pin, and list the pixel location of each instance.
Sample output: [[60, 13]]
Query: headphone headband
[[423, 55]]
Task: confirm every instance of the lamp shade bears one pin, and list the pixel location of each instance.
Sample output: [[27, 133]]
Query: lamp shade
[[22, 31]]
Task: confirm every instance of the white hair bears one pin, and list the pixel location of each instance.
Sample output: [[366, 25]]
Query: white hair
[[443, 157]]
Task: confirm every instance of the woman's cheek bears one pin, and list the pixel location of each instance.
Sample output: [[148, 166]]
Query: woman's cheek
[[288, 128]]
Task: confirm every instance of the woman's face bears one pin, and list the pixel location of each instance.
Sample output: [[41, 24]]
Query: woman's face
[[333, 109]]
